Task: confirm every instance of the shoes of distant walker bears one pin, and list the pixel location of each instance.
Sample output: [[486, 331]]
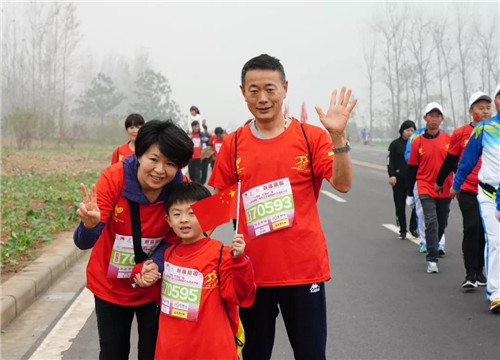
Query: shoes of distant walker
[[423, 248], [432, 267], [402, 236], [441, 250], [495, 306], [480, 279], [470, 282], [414, 233]]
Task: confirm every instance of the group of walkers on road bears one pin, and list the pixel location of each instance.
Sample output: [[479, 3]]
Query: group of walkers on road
[[472, 152], [193, 297]]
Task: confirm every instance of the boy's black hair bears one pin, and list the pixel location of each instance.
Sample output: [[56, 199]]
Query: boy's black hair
[[173, 142], [134, 120], [263, 62], [194, 123], [218, 130], [186, 192]]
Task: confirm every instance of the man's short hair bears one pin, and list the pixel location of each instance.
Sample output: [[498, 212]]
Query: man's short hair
[[263, 62], [195, 122], [218, 130]]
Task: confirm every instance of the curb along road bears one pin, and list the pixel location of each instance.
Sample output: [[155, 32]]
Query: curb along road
[[22, 289]]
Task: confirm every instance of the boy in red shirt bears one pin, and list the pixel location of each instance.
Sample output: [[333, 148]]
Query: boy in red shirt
[[427, 154], [203, 283], [133, 123], [473, 240]]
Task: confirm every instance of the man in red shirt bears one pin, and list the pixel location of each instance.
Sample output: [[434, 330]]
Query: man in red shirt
[[276, 158], [473, 240], [427, 154]]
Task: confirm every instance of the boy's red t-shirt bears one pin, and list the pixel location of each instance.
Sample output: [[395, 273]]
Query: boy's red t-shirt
[[428, 155], [458, 142], [294, 255]]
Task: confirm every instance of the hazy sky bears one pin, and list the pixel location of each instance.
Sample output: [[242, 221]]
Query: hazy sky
[[201, 46]]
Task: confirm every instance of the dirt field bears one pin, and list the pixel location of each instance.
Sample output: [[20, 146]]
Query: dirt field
[[47, 161]]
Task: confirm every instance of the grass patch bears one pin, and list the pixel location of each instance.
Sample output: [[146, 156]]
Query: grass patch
[[36, 206]]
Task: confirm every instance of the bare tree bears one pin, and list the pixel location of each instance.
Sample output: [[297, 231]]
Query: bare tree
[[369, 52], [393, 29], [487, 40]]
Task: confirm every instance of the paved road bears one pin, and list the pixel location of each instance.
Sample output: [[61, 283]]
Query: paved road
[[381, 302]]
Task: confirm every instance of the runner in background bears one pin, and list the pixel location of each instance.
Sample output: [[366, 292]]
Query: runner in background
[[417, 205], [133, 123], [427, 154], [473, 239], [485, 143], [216, 142], [194, 166], [397, 170], [206, 152], [281, 164]]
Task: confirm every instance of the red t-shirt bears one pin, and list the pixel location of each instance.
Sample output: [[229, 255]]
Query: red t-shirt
[[428, 155], [212, 335], [121, 152], [458, 141], [216, 143], [115, 213], [196, 146], [294, 255]]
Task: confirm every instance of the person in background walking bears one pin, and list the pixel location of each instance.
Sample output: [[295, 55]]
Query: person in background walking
[[397, 170], [427, 154], [133, 123], [485, 143], [473, 239]]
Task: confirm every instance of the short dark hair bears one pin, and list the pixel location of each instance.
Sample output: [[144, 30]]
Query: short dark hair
[[263, 62], [218, 130], [194, 123], [173, 142], [195, 109], [186, 192], [134, 120]]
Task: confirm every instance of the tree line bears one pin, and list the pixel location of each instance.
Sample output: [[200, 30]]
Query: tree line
[[414, 54], [42, 72]]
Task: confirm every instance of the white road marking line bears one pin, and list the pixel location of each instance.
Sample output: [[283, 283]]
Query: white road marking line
[[66, 329], [395, 229], [333, 196]]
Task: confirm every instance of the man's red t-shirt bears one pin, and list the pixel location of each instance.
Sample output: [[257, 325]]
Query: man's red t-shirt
[[294, 255], [121, 152]]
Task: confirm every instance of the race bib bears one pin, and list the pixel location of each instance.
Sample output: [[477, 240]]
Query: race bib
[[122, 258], [196, 142], [217, 147], [181, 292], [269, 207]]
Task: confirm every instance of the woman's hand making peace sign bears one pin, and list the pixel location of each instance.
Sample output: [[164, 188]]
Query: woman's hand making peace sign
[[88, 211]]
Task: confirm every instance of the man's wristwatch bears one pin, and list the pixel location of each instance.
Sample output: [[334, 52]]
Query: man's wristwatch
[[342, 149]]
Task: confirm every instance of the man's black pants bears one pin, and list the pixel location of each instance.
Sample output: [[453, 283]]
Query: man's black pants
[[303, 308], [399, 193], [194, 170], [473, 241]]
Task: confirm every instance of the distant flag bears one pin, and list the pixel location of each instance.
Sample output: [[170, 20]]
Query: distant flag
[[286, 112], [217, 209], [303, 113]]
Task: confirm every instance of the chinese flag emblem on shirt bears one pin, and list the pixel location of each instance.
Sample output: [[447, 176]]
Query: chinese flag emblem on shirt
[[217, 209]]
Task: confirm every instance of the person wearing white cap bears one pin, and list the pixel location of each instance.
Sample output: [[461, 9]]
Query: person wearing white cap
[[473, 239], [427, 154], [485, 143], [415, 203]]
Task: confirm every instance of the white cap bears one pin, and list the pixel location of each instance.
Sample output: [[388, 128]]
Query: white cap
[[477, 96], [497, 91], [433, 106]]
